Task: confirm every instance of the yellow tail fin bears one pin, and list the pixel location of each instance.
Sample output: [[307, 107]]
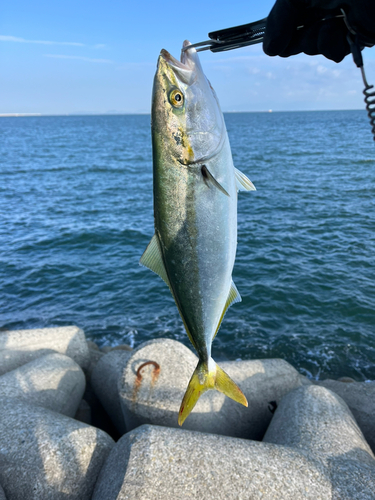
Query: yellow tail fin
[[208, 376]]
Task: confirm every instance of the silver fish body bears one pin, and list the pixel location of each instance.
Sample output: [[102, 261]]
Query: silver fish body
[[195, 209]]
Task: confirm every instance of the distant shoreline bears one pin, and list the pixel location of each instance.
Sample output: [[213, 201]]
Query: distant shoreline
[[25, 115]]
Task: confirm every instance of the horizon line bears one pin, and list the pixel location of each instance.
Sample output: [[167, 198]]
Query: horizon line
[[124, 113]]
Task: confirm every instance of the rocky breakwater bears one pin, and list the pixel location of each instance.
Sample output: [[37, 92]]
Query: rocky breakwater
[[46, 454], [63, 408]]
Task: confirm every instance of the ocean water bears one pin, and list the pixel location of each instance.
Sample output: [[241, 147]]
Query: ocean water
[[76, 214]]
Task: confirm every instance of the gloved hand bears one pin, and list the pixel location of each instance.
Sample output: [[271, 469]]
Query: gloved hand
[[326, 37]]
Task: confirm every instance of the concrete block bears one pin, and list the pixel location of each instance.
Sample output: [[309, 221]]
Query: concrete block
[[95, 356], [83, 413], [318, 422], [99, 417], [347, 380], [314, 450], [48, 456], [122, 347], [360, 397], [158, 372], [18, 347], [53, 381], [305, 380], [105, 380], [161, 463], [92, 345]]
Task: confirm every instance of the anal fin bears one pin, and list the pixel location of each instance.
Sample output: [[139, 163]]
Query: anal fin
[[233, 297]]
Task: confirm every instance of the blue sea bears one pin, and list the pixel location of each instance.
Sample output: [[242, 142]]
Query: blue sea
[[76, 213]]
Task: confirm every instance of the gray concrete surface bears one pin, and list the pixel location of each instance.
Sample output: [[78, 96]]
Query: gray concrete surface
[[314, 450], [360, 397], [53, 381], [2, 494], [18, 347], [318, 422], [121, 347], [48, 456], [161, 463], [105, 379], [83, 413], [155, 397], [95, 357], [92, 345]]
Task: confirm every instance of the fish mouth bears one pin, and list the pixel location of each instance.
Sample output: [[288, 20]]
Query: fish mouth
[[187, 57], [186, 68], [172, 61]]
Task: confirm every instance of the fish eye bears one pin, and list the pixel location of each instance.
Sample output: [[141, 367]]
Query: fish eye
[[176, 98]]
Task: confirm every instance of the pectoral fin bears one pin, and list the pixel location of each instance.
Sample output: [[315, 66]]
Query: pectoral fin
[[152, 259], [209, 178], [243, 183]]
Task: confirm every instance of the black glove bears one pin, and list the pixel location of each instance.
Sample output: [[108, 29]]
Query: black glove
[[326, 37]]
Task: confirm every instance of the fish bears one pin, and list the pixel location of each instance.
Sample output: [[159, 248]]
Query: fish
[[195, 187]]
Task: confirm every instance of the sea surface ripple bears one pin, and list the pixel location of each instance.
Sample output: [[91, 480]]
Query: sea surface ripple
[[77, 213]]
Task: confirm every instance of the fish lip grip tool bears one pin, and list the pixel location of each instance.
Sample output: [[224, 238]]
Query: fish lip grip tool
[[232, 38], [253, 33], [238, 36]]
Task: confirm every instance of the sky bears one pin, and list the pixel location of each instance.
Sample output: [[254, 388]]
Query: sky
[[83, 57]]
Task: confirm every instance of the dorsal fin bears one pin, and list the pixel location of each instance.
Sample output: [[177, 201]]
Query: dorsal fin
[[152, 259], [243, 183], [233, 297]]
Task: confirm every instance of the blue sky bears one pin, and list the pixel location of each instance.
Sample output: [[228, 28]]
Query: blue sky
[[100, 57]]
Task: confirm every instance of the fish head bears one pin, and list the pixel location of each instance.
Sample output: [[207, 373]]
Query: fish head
[[185, 109]]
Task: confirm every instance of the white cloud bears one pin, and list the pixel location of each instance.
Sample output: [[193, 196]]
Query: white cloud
[[80, 58], [136, 66], [300, 82], [321, 69], [16, 39]]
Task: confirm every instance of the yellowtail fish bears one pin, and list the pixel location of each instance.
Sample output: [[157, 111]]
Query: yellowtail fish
[[195, 208]]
